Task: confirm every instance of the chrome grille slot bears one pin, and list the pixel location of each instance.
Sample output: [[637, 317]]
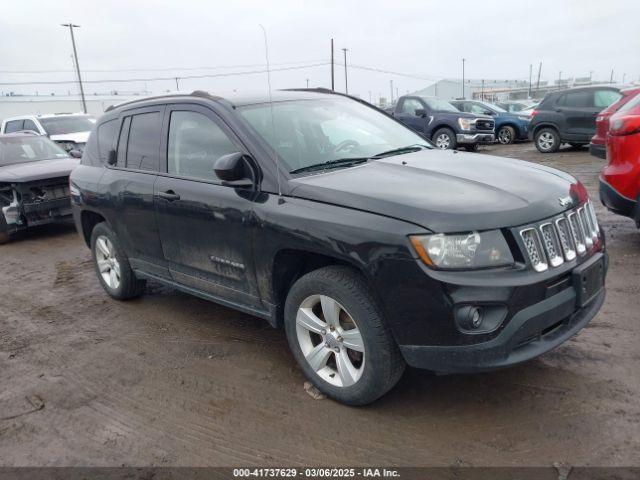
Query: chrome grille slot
[[582, 217], [566, 239], [591, 214], [534, 250], [551, 244], [577, 233]]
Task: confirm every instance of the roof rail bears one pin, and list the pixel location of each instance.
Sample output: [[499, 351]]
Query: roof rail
[[195, 93]]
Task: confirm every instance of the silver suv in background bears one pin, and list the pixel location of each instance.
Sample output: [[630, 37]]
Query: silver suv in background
[[69, 130]]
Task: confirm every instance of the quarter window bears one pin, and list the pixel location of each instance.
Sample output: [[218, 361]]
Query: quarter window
[[106, 134], [195, 143], [142, 146]]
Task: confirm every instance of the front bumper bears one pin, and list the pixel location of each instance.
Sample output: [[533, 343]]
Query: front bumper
[[598, 150], [616, 202], [531, 331], [18, 216], [472, 138]]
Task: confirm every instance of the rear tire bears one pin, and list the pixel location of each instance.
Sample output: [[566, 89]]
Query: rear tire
[[445, 139], [506, 135], [547, 140], [112, 265], [329, 311]]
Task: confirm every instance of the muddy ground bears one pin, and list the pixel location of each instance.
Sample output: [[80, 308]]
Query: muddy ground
[[170, 379]]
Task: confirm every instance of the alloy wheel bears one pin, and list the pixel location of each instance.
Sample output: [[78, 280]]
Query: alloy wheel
[[504, 136], [443, 141], [546, 141], [108, 264], [330, 340]]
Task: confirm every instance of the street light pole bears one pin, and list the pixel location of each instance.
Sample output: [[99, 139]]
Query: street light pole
[[75, 56], [346, 86], [463, 60], [307, 83]]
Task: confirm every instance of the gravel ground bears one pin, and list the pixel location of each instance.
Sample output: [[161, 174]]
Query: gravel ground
[[170, 379]]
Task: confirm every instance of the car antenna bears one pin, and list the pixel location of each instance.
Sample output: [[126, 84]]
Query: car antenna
[[273, 127]]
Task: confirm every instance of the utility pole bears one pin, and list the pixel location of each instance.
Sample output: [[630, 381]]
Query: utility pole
[[346, 84], [539, 73], [307, 83], [75, 56], [611, 79], [482, 91], [463, 60], [391, 89], [332, 69], [177, 85], [369, 96], [590, 76], [530, 73], [559, 77], [624, 76]]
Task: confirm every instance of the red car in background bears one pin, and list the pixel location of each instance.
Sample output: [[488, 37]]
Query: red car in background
[[597, 147], [620, 178]]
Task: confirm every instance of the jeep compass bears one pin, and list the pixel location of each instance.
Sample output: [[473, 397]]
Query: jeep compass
[[324, 215]]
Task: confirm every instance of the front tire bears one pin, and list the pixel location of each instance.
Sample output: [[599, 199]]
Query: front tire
[[506, 135], [337, 335], [445, 139], [547, 140], [112, 265]]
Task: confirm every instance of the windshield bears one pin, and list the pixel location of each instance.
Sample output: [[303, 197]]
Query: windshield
[[22, 149], [68, 124], [491, 106], [439, 105], [311, 132]]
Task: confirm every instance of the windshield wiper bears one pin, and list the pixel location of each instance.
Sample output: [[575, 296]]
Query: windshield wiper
[[400, 151], [339, 162]]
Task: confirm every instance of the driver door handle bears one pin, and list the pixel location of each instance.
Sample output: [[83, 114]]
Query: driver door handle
[[169, 195]]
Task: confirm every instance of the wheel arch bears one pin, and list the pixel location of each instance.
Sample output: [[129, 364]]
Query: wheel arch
[[88, 220], [289, 264], [542, 125]]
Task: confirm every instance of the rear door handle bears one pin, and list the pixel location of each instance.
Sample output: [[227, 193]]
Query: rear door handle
[[169, 195]]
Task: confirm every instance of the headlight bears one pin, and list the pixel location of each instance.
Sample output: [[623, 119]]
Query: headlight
[[67, 146], [466, 123], [463, 251]]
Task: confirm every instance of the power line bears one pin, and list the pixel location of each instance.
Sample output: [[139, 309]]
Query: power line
[[172, 78], [163, 69]]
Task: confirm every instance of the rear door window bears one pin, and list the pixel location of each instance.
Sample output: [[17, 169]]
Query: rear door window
[[30, 125], [582, 99], [143, 145], [13, 126]]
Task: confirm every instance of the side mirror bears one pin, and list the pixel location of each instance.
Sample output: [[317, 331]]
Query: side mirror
[[75, 153], [112, 159], [233, 170], [420, 112], [489, 112]]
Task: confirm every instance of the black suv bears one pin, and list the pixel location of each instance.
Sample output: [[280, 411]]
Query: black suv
[[321, 213], [569, 116]]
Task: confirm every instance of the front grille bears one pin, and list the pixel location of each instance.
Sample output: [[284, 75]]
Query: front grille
[[46, 193], [554, 241], [485, 125]]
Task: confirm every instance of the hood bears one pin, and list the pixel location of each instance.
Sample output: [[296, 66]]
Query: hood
[[30, 171], [455, 115], [77, 137], [445, 191]]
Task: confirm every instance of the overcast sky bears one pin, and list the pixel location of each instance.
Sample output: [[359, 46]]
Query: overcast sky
[[424, 38]]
